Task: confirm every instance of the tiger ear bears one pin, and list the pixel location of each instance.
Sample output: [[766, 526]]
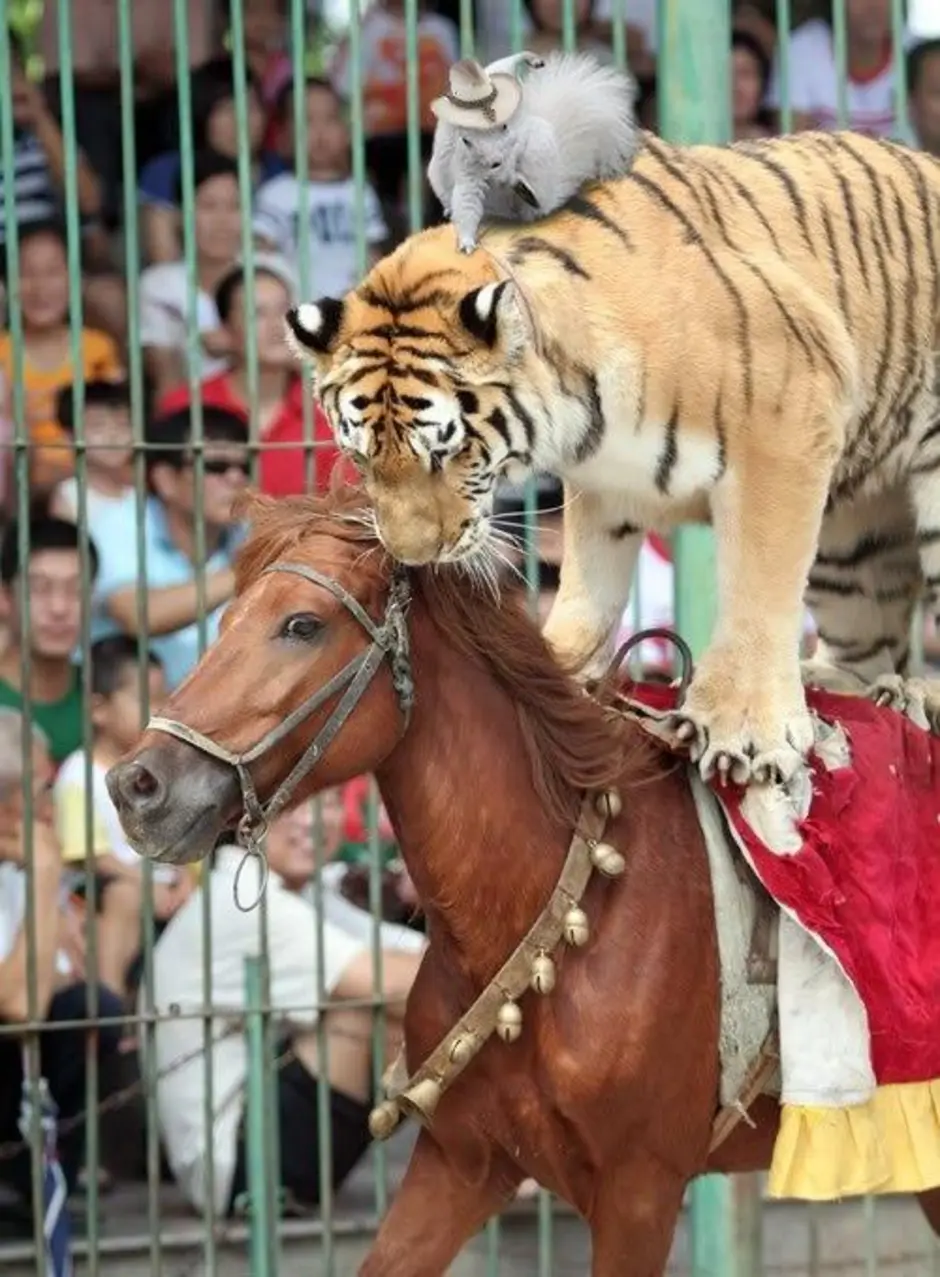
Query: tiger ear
[[312, 329], [492, 315]]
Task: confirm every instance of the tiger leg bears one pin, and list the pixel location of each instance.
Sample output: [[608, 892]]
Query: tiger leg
[[863, 588], [745, 713], [600, 550]]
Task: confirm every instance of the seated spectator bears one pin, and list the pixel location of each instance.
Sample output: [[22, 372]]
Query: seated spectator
[[117, 722], [923, 85], [283, 471], [172, 553], [347, 976], [54, 589], [215, 128], [814, 73], [164, 287], [750, 78], [109, 449], [56, 943], [384, 63], [328, 206], [47, 350], [38, 170]]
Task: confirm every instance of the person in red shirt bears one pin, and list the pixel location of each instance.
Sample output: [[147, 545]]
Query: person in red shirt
[[292, 460]]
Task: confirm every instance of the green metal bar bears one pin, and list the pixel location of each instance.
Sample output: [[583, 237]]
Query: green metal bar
[[784, 26], [379, 1017], [840, 41], [298, 35], [467, 30], [21, 475], [618, 41], [568, 27], [357, 131], [245, 192], [694, 106], [415, 167], [146, 1029], [74, 253], [194, 369], [325, 1118], [261, 1222], [902, 123]]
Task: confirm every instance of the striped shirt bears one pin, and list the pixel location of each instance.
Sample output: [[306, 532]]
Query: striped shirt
[[33, 192]]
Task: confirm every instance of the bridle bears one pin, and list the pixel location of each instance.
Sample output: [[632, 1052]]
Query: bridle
[[389, 642]]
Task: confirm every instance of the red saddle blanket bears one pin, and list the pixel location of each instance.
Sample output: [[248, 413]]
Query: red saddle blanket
[[865, 879]]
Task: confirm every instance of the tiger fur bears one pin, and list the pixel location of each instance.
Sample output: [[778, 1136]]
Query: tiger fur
[[740, 334]]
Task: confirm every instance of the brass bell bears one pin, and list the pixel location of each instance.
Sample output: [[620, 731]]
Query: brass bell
[[461, 1050], [576, 926], [609, 803], [383, 1119], [424, 1096], [509, 1022], [543, 974], [607, 859]]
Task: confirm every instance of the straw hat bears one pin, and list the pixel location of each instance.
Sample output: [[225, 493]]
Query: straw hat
[[476, 100]]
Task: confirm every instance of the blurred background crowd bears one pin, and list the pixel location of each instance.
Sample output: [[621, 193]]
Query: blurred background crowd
[[157, 560]]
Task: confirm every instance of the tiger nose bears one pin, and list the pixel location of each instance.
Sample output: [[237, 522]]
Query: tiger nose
[[414, 540]]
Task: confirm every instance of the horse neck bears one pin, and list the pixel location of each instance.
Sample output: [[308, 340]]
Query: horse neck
[[483, 854]]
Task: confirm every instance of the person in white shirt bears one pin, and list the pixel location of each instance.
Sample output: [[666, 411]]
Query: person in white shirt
[[293, 921], [164, 287], [814, 73], [325, 207]]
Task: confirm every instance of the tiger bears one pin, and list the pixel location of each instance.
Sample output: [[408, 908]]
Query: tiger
[[741, 335]]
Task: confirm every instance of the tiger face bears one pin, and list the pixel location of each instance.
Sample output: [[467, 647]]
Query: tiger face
[[415, 389]]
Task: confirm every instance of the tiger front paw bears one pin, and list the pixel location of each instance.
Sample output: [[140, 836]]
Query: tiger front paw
[[743, 727], [917, 698]]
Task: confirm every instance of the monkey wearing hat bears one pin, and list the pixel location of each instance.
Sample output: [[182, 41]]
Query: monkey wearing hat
[[516, 148]]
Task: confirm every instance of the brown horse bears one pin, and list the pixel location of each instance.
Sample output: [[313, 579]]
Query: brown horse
[[608, 1096]]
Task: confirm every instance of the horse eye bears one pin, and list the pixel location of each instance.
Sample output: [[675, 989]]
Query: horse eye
[[303, 627]]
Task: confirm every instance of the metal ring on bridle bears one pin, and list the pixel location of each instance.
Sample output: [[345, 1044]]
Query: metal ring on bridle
[[641, 636]]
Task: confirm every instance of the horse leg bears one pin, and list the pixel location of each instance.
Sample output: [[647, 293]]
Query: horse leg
[[930, 1205], [634, 1219], [434, 1213]]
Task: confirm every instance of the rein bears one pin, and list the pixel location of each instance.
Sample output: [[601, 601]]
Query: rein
[[389, 642]]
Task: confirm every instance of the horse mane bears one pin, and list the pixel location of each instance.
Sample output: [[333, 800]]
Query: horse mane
[[572, 741]]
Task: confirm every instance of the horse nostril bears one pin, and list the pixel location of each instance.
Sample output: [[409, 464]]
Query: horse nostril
[[138, 786]]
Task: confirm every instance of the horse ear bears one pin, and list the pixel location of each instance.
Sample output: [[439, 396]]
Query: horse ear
[[312, 329], [491, 314]]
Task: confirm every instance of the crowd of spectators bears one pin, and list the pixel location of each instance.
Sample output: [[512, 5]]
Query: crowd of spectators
[[161, 534]]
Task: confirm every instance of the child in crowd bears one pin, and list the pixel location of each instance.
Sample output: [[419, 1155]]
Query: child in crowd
[[923, 84], [47, 350], [215, 128], [116, 724], [108, 440], [328, 205]]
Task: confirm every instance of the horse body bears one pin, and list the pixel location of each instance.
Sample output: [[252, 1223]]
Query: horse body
[[609, 1095]]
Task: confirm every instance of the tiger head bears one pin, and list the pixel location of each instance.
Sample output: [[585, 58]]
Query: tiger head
[[418, 370]]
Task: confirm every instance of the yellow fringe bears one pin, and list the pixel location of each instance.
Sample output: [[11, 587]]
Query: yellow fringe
[[889, 1145]]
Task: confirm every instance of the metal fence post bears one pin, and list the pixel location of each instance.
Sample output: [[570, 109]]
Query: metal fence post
[[262, 1224], [695, 106]]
